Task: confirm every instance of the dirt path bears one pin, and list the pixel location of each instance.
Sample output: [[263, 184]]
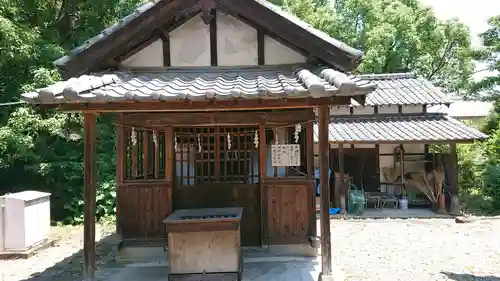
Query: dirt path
[[64, 261], [375, 250], [432, 249]]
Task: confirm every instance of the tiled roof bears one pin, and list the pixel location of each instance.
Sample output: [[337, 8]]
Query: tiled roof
[[402, 89], [151, 4], [399, 129], [202, 84]]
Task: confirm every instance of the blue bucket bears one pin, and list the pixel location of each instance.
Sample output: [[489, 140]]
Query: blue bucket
[[334, 211]]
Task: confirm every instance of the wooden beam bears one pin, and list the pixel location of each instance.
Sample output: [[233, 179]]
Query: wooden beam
[[261, 57], [266, 18], [279, 117], [263, 191], [326, 250], [125, 37], [136, 48], [89, 253], [213, 39], [165, 38], [263, 32], [209, 105]]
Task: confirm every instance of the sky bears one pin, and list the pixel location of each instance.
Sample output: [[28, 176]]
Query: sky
[[473, 13], [475, 16]]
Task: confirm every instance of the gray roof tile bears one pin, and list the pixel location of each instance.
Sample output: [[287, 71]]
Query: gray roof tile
[[399, 129], [202, 84], [401, 89]]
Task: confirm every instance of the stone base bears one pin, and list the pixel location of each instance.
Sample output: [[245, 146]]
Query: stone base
[[27, 253], [323, 277]]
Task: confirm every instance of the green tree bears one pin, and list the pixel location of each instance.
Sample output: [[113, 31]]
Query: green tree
[[489, 55], [40, 148], [396, 36]]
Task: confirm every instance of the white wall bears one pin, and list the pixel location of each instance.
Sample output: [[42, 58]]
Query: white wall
[[190, 44], [277, 53], [413, 109], [150, 56], [236, 45], [391, 109], [236, 42]]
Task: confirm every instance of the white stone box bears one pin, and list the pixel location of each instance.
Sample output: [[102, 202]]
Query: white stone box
[[25, 219]]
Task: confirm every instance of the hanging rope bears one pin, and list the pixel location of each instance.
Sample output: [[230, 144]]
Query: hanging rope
[[298, 126]]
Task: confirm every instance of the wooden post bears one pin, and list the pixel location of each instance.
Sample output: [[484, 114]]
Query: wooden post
[[342, 188], [169, 153], [120, 165], [326, 251], [263, 192], [310, 175], [453, 180], [89, 133]]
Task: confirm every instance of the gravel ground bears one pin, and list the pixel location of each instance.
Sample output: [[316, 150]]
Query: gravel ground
[[420, 250], [432, 249], [61, 262]]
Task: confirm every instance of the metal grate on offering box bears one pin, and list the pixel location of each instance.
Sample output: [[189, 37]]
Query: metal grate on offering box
[[207, 217]]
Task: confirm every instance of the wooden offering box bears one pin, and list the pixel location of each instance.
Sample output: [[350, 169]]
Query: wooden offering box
[[204, 244]]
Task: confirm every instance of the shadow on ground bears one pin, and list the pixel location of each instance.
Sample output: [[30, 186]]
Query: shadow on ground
[[71, 268], [254, 269], [469, 277]]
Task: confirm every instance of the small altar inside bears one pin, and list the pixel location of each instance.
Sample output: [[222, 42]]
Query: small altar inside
[[204, 244]]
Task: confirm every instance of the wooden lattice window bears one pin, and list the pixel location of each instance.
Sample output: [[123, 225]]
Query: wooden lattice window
[[204, 155], [144, 157]]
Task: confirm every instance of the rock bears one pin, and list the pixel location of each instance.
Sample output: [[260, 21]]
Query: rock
[[465, 219]]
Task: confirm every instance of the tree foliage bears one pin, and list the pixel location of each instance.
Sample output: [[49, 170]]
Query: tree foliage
[[489, 55], [41, 149], [396, 36]]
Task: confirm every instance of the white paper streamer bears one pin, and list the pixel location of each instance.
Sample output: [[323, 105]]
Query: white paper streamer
[[199, 143], [256, 139], [228, 141], [298, 129], [155, 139], [175, 143], [134, 137]]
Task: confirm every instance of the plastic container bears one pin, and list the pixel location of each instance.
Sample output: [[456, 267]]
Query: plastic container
[[403, 203]]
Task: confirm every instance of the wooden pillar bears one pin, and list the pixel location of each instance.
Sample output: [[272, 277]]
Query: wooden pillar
[[334, 189], [310, 176], [326, 251], [342, 187], [263, 192], [453, 180], [169, 154], [89, 125], [120, 165]]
